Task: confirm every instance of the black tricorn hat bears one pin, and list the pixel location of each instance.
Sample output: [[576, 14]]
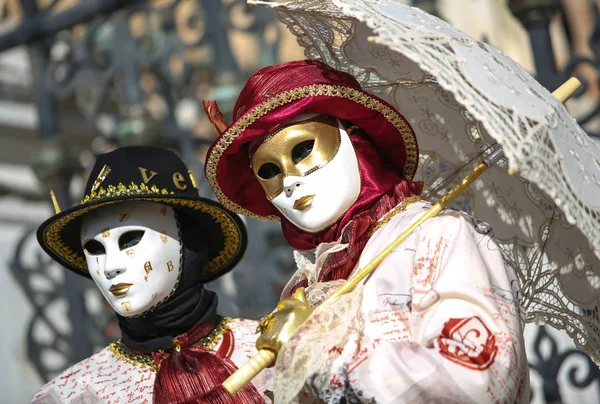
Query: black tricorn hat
[[143, 173]]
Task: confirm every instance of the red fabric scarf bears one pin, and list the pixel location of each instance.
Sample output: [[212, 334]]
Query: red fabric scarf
[[381, 190], [192, 374]]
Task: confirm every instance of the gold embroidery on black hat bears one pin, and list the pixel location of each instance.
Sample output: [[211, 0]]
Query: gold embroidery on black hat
[[144, 173], [101, 177], [121, 190]]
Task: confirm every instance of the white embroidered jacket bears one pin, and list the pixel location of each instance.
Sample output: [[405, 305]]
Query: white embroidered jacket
[[104, 378], [439, 321]]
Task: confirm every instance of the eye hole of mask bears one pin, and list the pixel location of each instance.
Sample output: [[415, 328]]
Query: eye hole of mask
[[94, 247], [268, 171], [130, 239], [302, 150]]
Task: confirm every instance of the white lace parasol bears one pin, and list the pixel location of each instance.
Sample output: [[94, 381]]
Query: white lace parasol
[[462, 96]]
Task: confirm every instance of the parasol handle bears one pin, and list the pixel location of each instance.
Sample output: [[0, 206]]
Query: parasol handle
[[567, 89], [265, 357], [249, 371]]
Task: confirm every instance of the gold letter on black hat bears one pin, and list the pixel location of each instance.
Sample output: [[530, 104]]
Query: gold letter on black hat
[[145, 175], [179, 181]]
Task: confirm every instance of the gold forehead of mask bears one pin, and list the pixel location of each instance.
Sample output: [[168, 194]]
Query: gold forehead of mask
[[282, 150]]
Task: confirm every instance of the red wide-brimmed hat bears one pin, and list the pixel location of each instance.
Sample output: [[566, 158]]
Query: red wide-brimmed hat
[[278, 93]]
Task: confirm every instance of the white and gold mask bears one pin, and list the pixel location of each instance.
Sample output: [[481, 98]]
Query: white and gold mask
[[309, 171], [132, 251]]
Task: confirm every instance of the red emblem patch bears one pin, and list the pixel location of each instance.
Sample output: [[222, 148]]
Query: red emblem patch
[[227, 345], [468, 342]]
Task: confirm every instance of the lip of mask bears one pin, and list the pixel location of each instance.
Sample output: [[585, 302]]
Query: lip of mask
[[295, 149]]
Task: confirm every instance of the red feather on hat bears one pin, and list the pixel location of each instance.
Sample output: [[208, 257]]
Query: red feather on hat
[[215, 116]]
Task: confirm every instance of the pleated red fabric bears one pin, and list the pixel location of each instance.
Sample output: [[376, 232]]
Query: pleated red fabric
[[192, 374]]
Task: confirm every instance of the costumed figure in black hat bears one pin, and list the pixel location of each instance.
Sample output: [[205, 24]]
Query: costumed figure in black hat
[[150, 243], [437, 321]]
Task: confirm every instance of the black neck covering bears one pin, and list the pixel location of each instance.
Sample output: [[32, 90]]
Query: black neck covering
[[191, 303]]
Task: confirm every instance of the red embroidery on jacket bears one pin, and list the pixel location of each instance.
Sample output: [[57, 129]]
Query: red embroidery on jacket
[[427, 267], [336, 350], [468, 342], [71, 374], [335, 383]]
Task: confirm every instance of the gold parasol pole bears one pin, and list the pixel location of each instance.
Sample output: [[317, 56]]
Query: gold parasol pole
[[265, 357]]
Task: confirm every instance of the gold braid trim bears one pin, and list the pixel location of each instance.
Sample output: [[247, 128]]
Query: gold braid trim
[[315, 90], [121, 352], [121, 190], [388, 216]]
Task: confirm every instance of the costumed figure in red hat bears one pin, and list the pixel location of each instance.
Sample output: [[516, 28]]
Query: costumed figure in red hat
[[438, 320], [150, 243]]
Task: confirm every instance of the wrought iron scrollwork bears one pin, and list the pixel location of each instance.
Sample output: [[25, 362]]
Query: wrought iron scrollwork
[[49, 334], [549, 362], [147, 50]]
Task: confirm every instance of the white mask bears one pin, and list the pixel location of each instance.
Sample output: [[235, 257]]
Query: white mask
[[309, 171], [134, 274]]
